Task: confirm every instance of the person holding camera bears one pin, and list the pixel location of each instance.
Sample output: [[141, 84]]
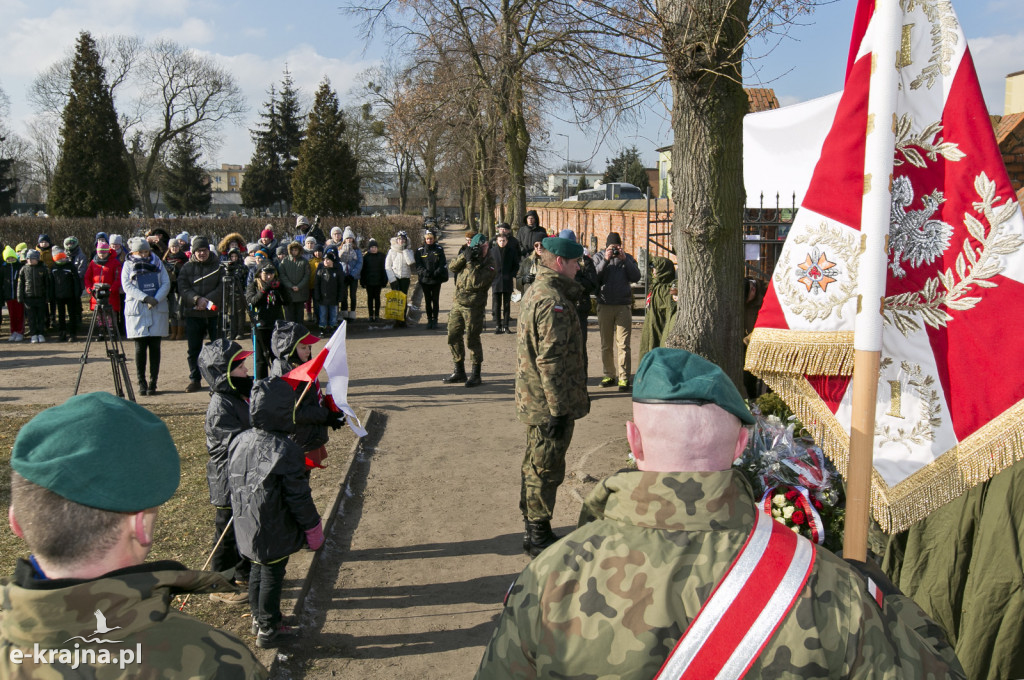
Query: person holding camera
[[146, 285], [201, 286], [265, 296], [475, 273], [103, 280], [616, 270]]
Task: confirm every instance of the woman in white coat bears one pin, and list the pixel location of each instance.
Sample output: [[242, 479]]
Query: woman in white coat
[[146, 285], [398, 265]]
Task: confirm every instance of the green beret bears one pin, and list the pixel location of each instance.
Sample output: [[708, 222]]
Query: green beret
[[669, 375], [100, 451], [563, 247], [477, 240]]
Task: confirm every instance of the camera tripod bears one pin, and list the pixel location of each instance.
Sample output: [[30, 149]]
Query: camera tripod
[[114, 349]]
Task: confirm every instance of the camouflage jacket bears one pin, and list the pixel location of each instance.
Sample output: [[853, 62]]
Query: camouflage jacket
[[472, 286], [611, 599], [550, 378], [49, 626]]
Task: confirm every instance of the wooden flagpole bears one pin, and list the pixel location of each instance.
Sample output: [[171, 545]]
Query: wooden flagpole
[[875, 217]]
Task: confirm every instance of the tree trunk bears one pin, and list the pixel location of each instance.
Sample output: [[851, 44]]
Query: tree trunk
[[517, 145], [708, 105]]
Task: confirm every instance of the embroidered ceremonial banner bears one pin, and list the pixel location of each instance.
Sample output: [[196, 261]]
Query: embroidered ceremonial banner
[[950, 412]]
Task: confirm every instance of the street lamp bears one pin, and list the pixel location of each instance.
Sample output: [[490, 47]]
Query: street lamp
[[565, 190]]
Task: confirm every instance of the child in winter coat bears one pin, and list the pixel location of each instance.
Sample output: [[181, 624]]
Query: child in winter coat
[[315, 259], [373, 278], [35, 290], [265, 296], [9, 291], [292, 346], [222, 365], [351, 260], [327, 291], [67, 293], [272, 504]]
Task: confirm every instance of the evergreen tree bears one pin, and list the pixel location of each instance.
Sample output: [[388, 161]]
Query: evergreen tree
[[289, 131], [616, 170], [277, 139], [91, 177], [187, 188], [8, 182], [326, 179], [636, 175], [582, 186]]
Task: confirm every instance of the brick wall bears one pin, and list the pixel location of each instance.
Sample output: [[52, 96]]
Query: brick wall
[[628, 218]]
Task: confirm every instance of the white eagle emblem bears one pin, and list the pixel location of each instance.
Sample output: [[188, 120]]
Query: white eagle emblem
[[913, 236]]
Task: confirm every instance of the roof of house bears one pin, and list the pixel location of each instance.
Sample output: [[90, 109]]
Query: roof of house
[[1006, 126], [761, 99]]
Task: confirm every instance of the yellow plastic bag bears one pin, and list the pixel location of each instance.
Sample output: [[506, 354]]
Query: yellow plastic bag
[[394, 305]]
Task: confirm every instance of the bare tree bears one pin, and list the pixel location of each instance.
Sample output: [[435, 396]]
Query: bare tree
[[170, 91]]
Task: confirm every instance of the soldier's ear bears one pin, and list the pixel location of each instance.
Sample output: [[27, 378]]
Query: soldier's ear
[[636, 444], [741, 443], [15, 527]]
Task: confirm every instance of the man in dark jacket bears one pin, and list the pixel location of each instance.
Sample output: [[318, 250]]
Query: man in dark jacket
[[222, 364], [431, 271], [294, 273], [200, 285], [616, 270], [505, 253], [273, 507], [530, 233]]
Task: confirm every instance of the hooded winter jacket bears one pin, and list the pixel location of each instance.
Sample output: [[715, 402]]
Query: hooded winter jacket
[[294, 272], [66, 284], [9, 275], [225, 245], [399, 261], [312, 416], [327, 284], [374, 275], [135, 603], [270, 496], [528, 235], [227, 416]]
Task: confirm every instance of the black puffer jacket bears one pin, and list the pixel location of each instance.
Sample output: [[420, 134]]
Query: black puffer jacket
[[265, 306], [373, 274], [66, 283], [227, 416], [34, 284], [200, 279], [311, 417], [270, 496]]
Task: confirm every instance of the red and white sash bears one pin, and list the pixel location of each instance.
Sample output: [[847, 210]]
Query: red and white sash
[[746, 607]]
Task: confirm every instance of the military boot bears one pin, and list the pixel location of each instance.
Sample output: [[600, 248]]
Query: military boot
[[540, 535], [458, 375], [474, 379]]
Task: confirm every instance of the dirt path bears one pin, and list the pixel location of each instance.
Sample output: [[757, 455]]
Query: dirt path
[[434, 538], [431, 538]]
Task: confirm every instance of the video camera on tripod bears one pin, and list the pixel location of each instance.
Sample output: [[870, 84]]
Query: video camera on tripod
[[106, 319], [101, 292]]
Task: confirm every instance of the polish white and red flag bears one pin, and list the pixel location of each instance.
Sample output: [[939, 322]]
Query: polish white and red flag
[[333, 359], [950, 408]]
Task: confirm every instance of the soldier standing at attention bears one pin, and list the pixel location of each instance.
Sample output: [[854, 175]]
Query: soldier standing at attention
[[551, 383], [86, 504], [474, 273], [676, 572]]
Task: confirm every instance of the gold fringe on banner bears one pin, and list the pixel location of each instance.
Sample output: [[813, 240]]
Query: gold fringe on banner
[[803, 352], [990, 450]]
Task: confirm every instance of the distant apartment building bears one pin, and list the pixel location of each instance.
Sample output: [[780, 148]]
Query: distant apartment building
[[228, 178]]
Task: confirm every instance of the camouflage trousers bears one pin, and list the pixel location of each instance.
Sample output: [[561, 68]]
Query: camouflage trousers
[[543, 471], [468, 322]]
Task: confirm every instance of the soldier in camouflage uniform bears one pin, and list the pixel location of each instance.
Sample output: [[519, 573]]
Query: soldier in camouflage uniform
[[551, 383], [612, 599], [467, 315], [84, 604]]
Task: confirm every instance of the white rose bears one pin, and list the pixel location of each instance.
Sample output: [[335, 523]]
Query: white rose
[[780, 521], [776, 513], [796, 530], [778, 500], [787, 511]]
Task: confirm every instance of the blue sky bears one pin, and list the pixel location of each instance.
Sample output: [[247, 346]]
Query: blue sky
[[255, 39]]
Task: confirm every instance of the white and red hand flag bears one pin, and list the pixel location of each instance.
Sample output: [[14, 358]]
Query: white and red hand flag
[[950, 410], [333, 359]]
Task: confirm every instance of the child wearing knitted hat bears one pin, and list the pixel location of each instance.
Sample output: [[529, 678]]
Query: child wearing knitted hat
[[35, 289]]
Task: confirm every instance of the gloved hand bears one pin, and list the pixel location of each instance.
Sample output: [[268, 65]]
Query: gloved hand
[[150, 301], [555, 426], [337, 420], [315, 536]]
